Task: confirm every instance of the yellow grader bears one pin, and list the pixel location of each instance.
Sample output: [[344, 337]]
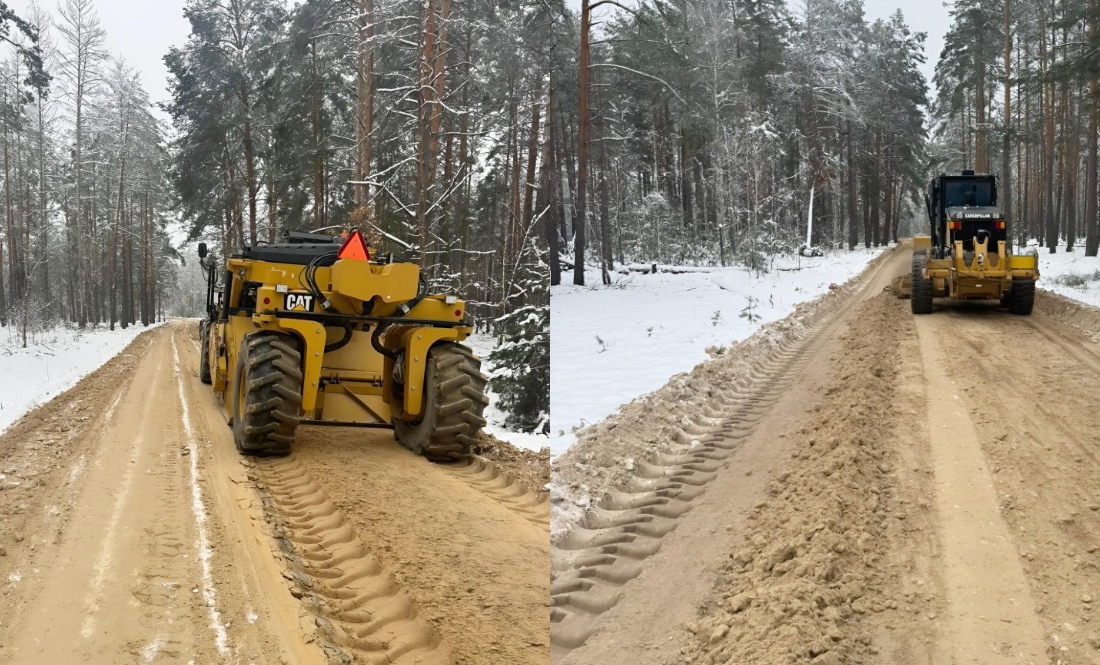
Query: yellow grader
[[316, 330], [968, 255]]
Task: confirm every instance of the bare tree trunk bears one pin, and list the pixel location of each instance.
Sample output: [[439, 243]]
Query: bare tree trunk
[[150, 265], [532, 161], [1006, 173], [424, 118], [608, 260], [318, 142], [13, 281], [876, 190], [515, 221], [582, 149], [112, 266], [853, 228], [1048, 136], [128, 270], [464, 157], [1092, 232], [553, 183], [365, 116], [1073, 160], [981, 161]]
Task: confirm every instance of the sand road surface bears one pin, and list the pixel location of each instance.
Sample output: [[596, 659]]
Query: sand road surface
[[132, 532], [850, 485]]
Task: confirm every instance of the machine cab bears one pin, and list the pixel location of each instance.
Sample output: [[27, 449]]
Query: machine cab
[[963, 207]]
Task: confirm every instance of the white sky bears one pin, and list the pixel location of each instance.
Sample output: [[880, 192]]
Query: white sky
[[141, 31]]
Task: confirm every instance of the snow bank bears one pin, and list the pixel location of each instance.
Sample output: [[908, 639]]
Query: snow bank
[[483, 345], [1071, 274], [53, 362], [611, 344]]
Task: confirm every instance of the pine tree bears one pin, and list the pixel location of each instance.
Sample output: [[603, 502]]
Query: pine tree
[[521, 376]]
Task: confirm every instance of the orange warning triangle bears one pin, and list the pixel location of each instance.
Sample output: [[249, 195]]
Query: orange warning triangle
[[354, 248]]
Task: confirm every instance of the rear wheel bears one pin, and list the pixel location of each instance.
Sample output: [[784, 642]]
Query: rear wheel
[[267, 394], [1023, 296], [454, 404], [922, 287], [204, 351]]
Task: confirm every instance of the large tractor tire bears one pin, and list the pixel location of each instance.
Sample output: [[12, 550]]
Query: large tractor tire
[[454, 401], [921, 300], [204, 352], [267, 394], [1023, 296]]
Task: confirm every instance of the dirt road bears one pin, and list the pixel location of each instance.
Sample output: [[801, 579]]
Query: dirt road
[[853, 485], [131, 531]]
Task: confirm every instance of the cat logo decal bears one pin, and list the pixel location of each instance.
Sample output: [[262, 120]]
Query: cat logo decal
[[299, 302]]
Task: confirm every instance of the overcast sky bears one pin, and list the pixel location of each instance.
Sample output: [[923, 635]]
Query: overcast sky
[[139, 30]]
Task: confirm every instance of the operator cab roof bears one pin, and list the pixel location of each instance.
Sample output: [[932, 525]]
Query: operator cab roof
[[287, 252]]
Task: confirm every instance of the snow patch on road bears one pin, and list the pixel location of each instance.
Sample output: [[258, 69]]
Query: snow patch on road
[[53, 362], [612, 344], [77, 470], [152, 649], [221, 637]]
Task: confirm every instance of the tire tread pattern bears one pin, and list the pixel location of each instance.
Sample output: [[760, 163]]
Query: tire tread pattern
[[269, 416], [921, 300], [1023, 297], [454, 405]]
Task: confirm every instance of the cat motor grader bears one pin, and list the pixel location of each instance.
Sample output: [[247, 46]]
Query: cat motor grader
[[968, 255], [317, 330]]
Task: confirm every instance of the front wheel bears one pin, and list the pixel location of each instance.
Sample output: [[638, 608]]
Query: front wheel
[[453, 408], [921, 299], [1023, 296], [204, 351]]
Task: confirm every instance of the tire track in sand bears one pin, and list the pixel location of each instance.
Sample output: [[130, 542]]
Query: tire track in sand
[[361, 613], [490, 479], [718, 408], [608, 547], [990, 613]]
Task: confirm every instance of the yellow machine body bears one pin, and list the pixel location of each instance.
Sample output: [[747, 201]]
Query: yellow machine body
[[987, 276], [352, 384], [967, 254]]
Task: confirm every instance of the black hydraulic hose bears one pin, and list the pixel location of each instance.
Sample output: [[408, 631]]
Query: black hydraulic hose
[[376, 342], [421, 293], [342, 342], [311, 278]]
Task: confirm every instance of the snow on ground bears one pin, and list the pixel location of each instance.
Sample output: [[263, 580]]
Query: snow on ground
[[483, 344], [611, 344], [1071, 274], [54, 361]]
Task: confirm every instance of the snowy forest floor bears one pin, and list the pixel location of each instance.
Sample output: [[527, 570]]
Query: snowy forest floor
[[611, 344], [1070, 274], [483, 344], [54, 361]]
